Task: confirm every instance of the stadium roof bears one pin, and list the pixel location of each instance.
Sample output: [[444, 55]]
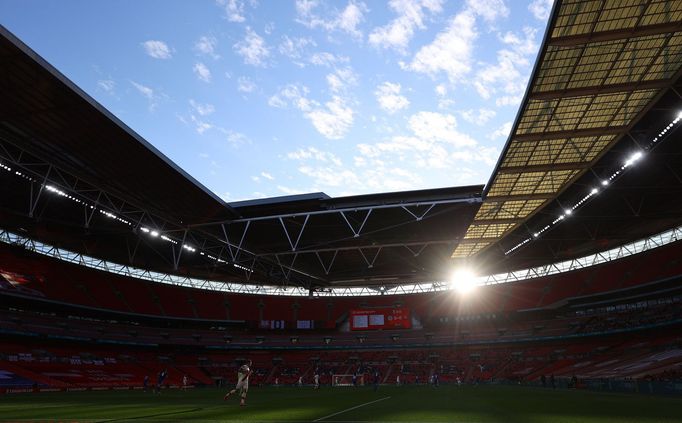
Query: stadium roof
[[605, 83], [53, 120], [80, 179], [602, 66]]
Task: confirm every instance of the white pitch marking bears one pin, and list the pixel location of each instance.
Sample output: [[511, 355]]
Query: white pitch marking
[[350, 409]]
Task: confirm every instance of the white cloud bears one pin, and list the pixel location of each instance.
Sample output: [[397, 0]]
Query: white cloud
[[511, 71], [152, 97], [351, 17], [541, 8], [157, 49], [478, 117], [433, 143], [202, 72], [389, 98], [450, 52], [487, 155], [293, 47], [327, 59], [411, 15], [489, 10], [432, 126], [234, 9], [334, 120], [200, 125], [207, 45], [144, 90], [509, 100], [245, 84], [253, 49], [294, 94], [305, 7], [202, 109], [430, 151], [267, 176], [341, 79], [235, 138], [346, 20], [522, 44], [443, 101], [277, 101], [432, 146], [331, 177], [108, 85], [315, 154], [501, 132]]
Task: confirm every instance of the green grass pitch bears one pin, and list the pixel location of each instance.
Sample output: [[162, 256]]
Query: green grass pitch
[[389, 404]]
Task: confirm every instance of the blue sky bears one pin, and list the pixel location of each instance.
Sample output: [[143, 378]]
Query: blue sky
[[260, 98]]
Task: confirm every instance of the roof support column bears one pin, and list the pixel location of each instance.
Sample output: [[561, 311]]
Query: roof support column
[[34, 198]]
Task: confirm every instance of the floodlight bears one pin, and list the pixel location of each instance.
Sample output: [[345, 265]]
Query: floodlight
[[636, 156], [604, 182], [463, 280], [594, 191], [568, 212], [154, 233]]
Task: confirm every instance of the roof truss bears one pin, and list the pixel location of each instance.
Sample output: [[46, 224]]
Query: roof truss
[[601, 66]]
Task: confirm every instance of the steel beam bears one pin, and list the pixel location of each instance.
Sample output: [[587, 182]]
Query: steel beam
[[600, 89], [573, 133], [470, 200], [407, 245], [617, 34], [544, 167], [511, 197]]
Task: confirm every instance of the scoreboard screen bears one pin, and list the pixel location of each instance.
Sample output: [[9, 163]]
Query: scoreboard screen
[[380, 318]]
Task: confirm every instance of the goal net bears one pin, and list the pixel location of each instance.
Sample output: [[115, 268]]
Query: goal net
[[347, 380]]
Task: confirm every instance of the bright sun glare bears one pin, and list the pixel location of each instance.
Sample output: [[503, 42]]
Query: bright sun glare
[[463, 280]]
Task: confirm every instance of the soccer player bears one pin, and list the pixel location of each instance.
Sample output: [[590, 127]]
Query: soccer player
[[145, 382], [317, 378], [161, 378], [242, 383], [397, 380], [185, 380]]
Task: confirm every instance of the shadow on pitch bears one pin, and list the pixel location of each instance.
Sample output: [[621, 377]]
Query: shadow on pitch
[[150, 416]]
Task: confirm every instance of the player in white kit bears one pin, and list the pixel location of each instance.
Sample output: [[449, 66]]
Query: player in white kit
[[242, 383]]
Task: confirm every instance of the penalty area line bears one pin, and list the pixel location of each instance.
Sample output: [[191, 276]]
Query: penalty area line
[[350, 409]]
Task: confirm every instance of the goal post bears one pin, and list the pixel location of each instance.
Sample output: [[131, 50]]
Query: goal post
[[347, 380]]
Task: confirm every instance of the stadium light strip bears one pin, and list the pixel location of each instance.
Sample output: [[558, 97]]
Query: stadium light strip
[[61, 193], [57, 191], [616, 253], [605, 182]]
